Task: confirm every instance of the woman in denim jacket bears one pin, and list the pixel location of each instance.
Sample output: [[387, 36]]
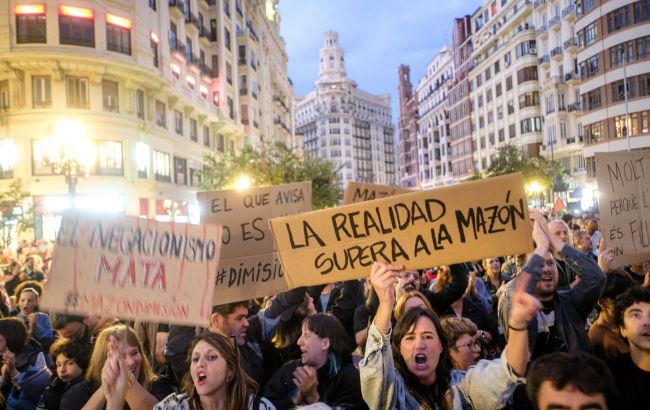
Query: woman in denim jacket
[[413, 370]]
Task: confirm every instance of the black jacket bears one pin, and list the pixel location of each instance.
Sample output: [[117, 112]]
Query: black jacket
[[341, 389]]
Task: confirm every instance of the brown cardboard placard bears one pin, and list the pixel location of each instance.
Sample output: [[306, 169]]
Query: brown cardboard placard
[[133, 268], [624, 204], [419, 230], [364, 191], [249, 266]]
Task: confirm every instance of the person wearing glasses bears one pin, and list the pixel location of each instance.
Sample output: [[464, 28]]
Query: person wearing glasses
[[464, 345]]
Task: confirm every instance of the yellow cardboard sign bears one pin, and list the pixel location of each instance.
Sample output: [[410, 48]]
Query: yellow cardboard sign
[[624, 204], [363, 191], [133, 268], [419, 230], [249, 266]]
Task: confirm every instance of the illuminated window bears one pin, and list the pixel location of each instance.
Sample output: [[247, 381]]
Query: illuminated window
[[180, 171], [76, 26], [161, 114], [118, 34], [41, 92], [77, 92], [110, 96], [30, 24], [109, 158], [161, 166]]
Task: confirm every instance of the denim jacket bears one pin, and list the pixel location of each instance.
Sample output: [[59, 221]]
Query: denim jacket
[[488, 385]]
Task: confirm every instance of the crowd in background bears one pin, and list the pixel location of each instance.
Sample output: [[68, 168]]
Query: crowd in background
[[510, 331]]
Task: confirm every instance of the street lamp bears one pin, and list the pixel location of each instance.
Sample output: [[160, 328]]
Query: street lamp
[[244, 182], [69, 153], [534, 188]]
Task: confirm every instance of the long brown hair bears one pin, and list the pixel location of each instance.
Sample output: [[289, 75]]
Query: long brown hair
[[100, 353], [240, 386], [429, 397]]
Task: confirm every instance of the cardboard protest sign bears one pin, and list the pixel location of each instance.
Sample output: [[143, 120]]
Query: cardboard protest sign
[[249, 265], [419, 230], [133, 269], [362, 191], [624, 204]]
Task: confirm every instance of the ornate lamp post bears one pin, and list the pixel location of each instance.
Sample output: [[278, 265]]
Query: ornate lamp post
[[70, 154]]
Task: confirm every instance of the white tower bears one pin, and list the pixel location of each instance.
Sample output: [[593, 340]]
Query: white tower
[[332, 60]]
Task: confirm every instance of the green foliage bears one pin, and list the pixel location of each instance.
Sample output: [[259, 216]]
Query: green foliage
[[13, 217], [275, 164], [548, 173]]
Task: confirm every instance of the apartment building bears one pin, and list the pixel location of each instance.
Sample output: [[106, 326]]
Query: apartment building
[[614, 65], [154, 85], [504, 86], [349, 126], [433, 139], [459, 102], [409, 163], [557, 50]]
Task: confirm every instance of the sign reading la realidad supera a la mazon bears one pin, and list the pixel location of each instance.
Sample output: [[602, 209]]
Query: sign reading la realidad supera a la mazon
[[422, 229], [133, 268]]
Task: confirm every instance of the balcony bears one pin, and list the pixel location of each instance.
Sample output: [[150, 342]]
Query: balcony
[[542, 32], [279, 100], [554, 24], [206, 70], [176, 8], [558, 80], [572, 77], [177, 48], [194, 61], [569, 13], [539, 4], [556, 53], [544, 60], [192, 24], [204, 35], [575, 108], [571, 45]]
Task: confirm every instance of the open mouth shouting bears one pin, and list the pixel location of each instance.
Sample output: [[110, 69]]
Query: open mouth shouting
[[421, 361], [201, 377]]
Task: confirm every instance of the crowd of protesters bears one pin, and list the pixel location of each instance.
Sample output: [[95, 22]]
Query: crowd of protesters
[[558, 328]]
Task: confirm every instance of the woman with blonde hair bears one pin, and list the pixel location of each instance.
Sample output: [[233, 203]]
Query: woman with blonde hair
[[144, 387], [408, 301]]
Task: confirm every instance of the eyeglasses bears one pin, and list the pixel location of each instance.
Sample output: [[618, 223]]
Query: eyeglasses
[[475, 345]]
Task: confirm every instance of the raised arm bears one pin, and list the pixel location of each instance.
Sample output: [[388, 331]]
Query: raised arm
[[452, 291]]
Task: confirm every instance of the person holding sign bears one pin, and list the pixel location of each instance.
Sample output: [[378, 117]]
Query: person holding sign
[[410, 370]]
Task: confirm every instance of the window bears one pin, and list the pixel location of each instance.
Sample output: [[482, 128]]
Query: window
[[588, 35], [509, 83], [109, 158], [618, 90], [180, 171], [511, 107], [153, 42], [194, 132], [241, 59], [206, 136], [642, 11], [502, 135], [497, 68], [41, 92], [527, 74], [529, 99], [228, 73], [481, 122], [480, 100], [479, 81], [195, 179], [533, 124], [499, 112], [161, 114], [139, 104], [226, 38], [591, 100], [178, 122], [589, 67], [109, 95], [488, 74], [490, 117], [4, 94], [498, 89], [77, 31], [30, 27], [512, 131], [231, 108], [220, 143], [152, 4], [173, 36], [643, 47], [488, 96], [618, 19], [618, 53], [525, 48], [118, 35], [644, 85], [161, 169], [76, 92], [550, 104], [593, 132]]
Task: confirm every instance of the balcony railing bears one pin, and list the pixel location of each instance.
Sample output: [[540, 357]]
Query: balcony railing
[[554, 23], [557, 51], [572, 76], [569, 12], [575, 107], [541, 31], [570, 44], [545, 59]]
